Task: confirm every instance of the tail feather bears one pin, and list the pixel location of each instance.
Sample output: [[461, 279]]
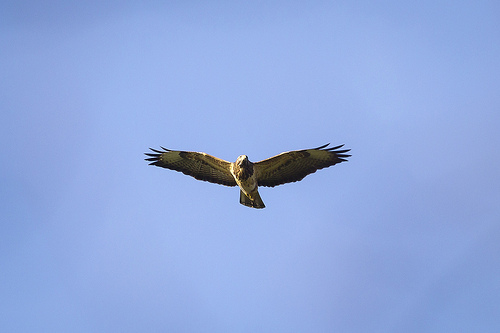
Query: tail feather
[[255, 203]]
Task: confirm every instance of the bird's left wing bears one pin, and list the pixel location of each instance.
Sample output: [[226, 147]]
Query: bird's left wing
[[198, 165], [294, 165]]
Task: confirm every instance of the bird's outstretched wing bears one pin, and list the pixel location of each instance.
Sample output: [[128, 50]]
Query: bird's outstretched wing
[[294, 165], [199, 165]]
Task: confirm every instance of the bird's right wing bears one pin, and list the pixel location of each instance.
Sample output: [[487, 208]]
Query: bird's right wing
[[198, 165]]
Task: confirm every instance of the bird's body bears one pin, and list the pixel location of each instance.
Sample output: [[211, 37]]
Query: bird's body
[[284, 168], [244, 175]]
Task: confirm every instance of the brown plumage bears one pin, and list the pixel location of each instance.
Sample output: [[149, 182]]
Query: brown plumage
[[284, 168], [199, 165]]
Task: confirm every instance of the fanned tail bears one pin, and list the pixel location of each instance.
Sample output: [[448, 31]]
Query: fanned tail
[[255, 203]]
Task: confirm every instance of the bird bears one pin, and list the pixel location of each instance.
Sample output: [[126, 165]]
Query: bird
[[287, 167]]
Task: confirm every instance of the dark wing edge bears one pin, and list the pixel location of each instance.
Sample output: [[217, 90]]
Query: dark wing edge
[[198, 165], [341, 154], [294, 165]]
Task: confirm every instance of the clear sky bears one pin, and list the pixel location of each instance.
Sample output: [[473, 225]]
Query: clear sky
[[405, 237]]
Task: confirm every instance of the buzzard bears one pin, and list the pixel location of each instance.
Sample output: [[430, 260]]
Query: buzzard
[[284, 168]]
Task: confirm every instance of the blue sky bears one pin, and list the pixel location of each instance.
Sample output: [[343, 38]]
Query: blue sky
[[402, 238]]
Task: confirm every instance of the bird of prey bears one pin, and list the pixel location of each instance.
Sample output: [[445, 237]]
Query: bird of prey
[[284, 168]]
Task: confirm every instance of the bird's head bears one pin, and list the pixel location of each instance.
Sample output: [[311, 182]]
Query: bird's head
[[242, 160]]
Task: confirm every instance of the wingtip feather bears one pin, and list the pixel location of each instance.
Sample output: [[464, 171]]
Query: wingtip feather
[[322, 147], [335, 148]]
